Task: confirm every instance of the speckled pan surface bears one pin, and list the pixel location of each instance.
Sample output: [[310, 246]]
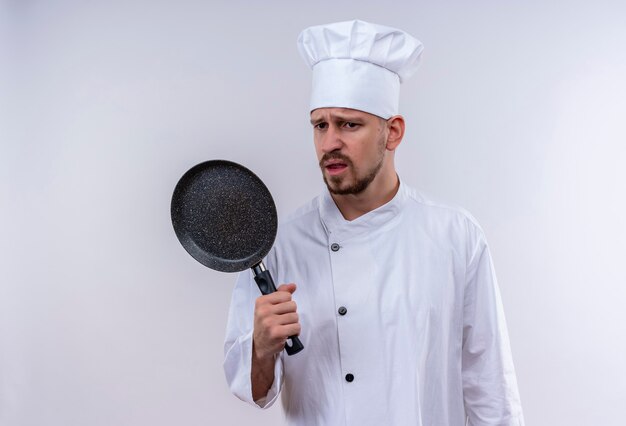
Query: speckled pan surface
[[224, 216]]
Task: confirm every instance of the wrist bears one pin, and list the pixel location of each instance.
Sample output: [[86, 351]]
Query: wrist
[[262, 356]]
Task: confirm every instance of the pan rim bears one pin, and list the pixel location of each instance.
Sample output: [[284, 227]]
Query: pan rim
[[218, 261]]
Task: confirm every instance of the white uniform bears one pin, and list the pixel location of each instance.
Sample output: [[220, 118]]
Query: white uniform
[[401, 319]]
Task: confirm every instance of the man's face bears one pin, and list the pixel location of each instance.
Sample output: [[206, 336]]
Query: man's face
[[350, 147]]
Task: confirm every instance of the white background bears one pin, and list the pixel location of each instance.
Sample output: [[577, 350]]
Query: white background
[[518, 113]]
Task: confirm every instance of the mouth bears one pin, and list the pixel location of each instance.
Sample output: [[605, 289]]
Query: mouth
[[336, 167]]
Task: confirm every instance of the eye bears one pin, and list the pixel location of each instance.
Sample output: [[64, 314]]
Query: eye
[[320, 126], [351, 125]]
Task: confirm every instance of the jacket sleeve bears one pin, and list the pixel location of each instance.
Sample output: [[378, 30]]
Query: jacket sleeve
[[238, 344], [489, 384]]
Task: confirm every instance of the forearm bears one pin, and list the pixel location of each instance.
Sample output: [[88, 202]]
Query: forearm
[[262, 374]]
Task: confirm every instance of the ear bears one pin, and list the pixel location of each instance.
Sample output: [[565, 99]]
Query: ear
[[395, 126]]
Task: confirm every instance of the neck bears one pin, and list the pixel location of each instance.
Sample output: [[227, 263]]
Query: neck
[[382, 190]]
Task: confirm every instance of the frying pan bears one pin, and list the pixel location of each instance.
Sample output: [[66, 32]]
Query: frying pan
[[225, 217]]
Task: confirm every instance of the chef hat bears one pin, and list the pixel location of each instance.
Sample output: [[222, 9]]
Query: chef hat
[[359, 65]]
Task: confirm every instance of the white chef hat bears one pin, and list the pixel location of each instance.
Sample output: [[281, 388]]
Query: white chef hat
[[359, 65]]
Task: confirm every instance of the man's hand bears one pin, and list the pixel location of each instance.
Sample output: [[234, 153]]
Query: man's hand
[[275, 319]]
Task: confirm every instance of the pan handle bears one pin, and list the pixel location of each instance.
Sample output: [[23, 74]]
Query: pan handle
[[265, 282]]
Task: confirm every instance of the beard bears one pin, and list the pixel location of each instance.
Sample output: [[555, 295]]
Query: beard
[[354, 182]]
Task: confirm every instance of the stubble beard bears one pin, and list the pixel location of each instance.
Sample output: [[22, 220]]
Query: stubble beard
[[359, 184]]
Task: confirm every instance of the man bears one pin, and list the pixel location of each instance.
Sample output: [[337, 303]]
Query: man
[[397, 303]]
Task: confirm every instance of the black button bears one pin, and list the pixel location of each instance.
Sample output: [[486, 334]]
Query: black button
[[342, 310], [349, 377], [334, 247]]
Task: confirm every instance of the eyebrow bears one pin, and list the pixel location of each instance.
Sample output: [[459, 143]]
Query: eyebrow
[[337, 117]]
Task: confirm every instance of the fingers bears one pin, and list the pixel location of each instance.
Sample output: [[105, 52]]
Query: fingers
[[269, 310], [290, 330], [275, 319], [290, 288], [286, 319], [280, 296], [279, 333], [284, 308]]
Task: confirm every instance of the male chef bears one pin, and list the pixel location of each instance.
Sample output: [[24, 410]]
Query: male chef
[[393, 296]]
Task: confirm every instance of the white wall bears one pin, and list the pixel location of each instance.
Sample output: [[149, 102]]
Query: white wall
[[517, 114]]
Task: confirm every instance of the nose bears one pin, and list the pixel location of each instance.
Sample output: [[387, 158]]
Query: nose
[[330, 140]]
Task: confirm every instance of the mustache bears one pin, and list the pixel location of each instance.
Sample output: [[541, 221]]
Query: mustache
[[334, 156]]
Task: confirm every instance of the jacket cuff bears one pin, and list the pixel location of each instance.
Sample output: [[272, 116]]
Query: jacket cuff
[[238, 368]]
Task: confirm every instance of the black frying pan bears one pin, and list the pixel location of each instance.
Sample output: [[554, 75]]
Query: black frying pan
[[225, 217]]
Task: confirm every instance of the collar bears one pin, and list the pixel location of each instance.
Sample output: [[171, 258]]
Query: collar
[[342, 229]]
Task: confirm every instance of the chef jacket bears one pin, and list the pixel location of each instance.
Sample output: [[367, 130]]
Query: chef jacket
[[401, 318]]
